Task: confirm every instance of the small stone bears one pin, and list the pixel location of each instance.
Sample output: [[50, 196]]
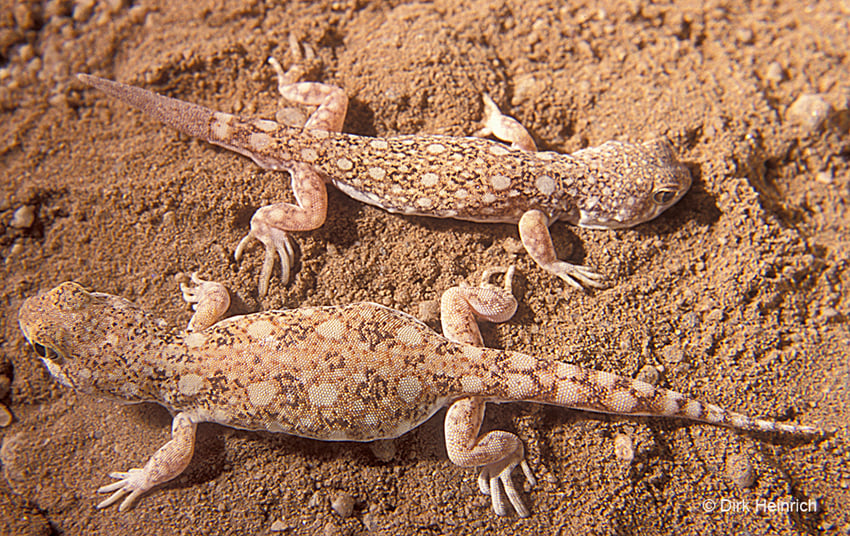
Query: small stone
[[278, 526], [809, 111], [429, 311], [744, 36], [169, 219], [673, 354], [383, 449], [513, 246], [624, 448], [775, 73], [59, 100], [27, 52], [116, 5], [739, 469], [828, 313], [315, 500], [527, 87], [5, 416], [824, 177], [648, 374], [715, 315], [23, 218], [83, 10], [13, 457], [343, 504], [26, 14], [17, 249], [370, 522], [291, 116], [689, 321]]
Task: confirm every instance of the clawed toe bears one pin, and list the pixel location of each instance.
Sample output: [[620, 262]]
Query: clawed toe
[[128, 482], [280, 244], [209, 299], [492, 475], [577, 276]]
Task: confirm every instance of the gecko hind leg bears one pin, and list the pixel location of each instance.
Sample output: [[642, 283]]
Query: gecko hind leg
[[331, 101], [497, 452]]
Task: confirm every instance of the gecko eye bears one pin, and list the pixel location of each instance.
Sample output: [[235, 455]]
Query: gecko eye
[[664, 196], [44, 351]]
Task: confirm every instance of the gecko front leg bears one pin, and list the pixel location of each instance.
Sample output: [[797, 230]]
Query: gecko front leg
[[534, 233], [497, 452], [534, 224], [166, 463], [210, 300]]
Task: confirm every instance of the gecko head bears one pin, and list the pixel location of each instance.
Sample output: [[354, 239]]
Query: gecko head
[[638, 183], [75, 332]]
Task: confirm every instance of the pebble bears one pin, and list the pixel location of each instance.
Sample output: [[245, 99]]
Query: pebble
[[5, 416], [689, 321], [673, 354], [429, 311], [13, 457], [169, 219], [739, 469], [744, 36], [83, 10], [775, 73], [26, 52], [278, 526], [824, 177], [715, 315], [624, 448], [23, 217], [383, 449], [343, 504], [315, 500], [513, 246], [648, 374], [809, 111], [370, 522], [828, 313]]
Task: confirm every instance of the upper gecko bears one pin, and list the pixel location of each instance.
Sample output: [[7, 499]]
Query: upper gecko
[[356, 372], [614, 185]]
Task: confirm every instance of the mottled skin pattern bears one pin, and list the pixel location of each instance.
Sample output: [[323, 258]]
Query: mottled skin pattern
[[356, 372], [613, 185]]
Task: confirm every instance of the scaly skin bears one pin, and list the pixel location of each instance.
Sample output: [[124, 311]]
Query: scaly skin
[[355, 372], [614, 185]]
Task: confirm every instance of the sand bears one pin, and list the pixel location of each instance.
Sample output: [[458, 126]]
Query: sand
[[738, 292]]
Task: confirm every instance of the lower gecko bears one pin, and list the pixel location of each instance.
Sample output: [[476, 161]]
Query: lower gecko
[[357, 372]]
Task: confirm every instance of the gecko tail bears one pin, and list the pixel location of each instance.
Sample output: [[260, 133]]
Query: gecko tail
[[576, 387], [185, 117]]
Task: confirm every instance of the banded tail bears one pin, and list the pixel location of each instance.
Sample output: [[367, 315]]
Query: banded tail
[[523, 377]]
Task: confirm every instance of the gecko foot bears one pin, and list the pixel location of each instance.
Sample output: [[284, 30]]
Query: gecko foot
[[504, 127], [209, 299], [575, 275], [276, 241], [491, 475], [135, 482]]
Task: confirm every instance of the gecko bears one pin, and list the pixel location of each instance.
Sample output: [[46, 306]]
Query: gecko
[[357, 372], [610, 186]]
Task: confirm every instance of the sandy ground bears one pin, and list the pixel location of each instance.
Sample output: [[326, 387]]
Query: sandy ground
[[739, 293]]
